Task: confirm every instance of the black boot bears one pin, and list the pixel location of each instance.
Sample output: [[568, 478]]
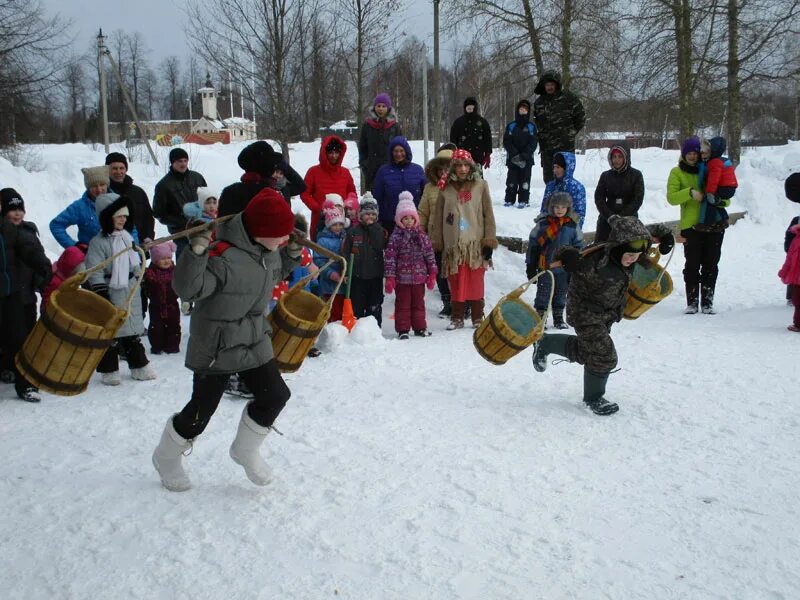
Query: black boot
[[692, 297], [551, 343], [558, 319], [707, 300], [447, 310], [594, 386]]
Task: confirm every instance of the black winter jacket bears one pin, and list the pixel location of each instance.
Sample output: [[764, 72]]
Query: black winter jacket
[[619, 192], [471, 132], [172, 192], [19, 247], [373, 143], [519, 140], [142, 211], [366, 244]]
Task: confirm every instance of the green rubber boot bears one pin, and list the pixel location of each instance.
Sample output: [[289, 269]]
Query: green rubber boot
[[551, 343], [594, 386]]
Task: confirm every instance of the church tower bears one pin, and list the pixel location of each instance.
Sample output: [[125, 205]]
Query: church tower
[[209, 97]]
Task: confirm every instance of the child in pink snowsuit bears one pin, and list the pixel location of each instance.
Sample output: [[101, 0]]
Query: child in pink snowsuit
[[164, 331], [790, 274], [409, 265]]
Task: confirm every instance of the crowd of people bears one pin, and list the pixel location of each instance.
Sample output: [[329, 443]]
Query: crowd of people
[[412, 227]]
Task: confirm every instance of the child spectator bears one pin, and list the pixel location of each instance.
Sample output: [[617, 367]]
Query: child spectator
[[597, 289], [410, 265], [564, 181], [68, 264], [717, 178], [351, 209], [331, 238], [164, 330], [790, 273], [519, 141], [792, 189], [553, 231], [204, 208], [114, 283], [364, 245]]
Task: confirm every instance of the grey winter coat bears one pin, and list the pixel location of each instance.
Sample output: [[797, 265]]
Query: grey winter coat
[[100, 248], [230, 285]]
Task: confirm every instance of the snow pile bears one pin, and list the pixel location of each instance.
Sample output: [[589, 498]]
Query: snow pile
[[418, 470]]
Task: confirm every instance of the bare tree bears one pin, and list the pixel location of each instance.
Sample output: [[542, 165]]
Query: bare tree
[[170, 68]]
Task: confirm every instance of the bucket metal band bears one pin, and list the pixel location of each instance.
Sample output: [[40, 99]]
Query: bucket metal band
[[503, 339], [483, 353], [45, 381], [281, 322], [636, 296], [70, 337]]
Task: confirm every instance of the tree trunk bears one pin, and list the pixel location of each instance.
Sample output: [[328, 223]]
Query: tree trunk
[[533, 36], [566, 42], [681, 11], [734, 132]]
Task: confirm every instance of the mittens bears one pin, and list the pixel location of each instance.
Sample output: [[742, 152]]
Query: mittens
[[389, 286], [569, 257], [431, 283], [334, 276], [487, 253], [487, 161], [667, 243], [199, 241]]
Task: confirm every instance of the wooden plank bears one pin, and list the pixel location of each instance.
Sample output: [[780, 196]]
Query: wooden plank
[[520, 245]]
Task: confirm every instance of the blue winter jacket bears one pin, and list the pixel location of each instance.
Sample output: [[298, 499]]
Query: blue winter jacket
[[330, 241], [393, 179], [82, 214], [567, 184]]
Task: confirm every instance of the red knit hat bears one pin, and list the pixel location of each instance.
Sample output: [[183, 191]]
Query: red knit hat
[[268, 215]]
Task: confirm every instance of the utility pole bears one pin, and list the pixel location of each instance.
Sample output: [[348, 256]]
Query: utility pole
[[425, 106], [101, 50], [437, 106]]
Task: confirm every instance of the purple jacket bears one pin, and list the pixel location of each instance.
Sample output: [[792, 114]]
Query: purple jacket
[[393, 179], [409, 256]]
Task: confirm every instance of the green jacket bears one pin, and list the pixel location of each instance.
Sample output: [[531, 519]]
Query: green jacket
[[230, 285], [679, 185]]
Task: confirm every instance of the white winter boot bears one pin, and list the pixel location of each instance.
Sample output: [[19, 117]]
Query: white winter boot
[[168, 459], [244, 450], [111, 378], [144, 373]]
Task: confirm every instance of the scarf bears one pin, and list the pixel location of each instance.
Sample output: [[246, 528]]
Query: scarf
[[251, 177], [463, 226], [124, 263], [686, 167], [548, 234]]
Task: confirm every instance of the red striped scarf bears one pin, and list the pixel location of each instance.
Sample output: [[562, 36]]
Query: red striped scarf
[[548, 234]]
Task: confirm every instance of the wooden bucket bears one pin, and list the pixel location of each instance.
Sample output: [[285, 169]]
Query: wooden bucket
[[648, 286], [297, 321], [511, 326], [75, 330]]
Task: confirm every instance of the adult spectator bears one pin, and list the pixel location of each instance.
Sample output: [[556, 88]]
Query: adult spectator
[[471, 132], [398, 175], [519, 141], [559, 116], [175, 189], [259, 161], [121, 183], [378, 130], [620, 190], [328, 177], [81, 212]]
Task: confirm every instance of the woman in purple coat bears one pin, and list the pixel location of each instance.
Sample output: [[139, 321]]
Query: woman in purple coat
[[398, 175]]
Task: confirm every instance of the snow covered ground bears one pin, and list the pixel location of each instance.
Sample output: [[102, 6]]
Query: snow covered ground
[[416, 470]]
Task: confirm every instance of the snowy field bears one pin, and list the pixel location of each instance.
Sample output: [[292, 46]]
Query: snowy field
[[416, 470]]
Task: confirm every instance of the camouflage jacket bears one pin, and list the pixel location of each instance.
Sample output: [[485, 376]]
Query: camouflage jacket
[[558, 117], [599, 281]]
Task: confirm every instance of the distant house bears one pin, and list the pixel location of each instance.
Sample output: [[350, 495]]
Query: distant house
[[766, 131], [347, 130]]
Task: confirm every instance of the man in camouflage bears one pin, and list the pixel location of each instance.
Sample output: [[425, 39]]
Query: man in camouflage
[[595, 301], [559, 116]]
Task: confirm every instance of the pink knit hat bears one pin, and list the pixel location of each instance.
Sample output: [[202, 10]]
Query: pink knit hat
[[165, 250], [333, 216], [351, 202], [332, 200], [406, 208]]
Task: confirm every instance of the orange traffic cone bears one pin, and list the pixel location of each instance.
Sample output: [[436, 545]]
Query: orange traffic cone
[[348, 317]]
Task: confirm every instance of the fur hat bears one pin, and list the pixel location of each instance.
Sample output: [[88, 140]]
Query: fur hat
[[95, 176], [382, 98], [691, 144], [332, 217], [369, 206], [268, 215], [110, 205], [705, 145], [117, 157], [405, 208], [177, 154], [204, 193], [165, 250], [792, 187], [103, 201], [259, 157], [562, 199], [10, 199]]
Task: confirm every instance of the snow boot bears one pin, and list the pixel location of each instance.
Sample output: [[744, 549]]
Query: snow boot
[[111, 378], [551, 343], [144, 373], [422, 333], [476, 307], [457, 317], [7, 375], [558, 319], [168, 459], [594, 386], [692, 299], [691, 310], [707, 300], [447, 310], [30, 394], [403, 335], [244, 450]]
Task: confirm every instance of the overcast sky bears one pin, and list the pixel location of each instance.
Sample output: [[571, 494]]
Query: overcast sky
[[162, 22]]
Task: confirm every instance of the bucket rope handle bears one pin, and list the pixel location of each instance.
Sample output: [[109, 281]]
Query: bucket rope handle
[[515, 294], [657, 282]]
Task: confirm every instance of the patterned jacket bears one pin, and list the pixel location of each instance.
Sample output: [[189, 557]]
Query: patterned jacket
[[559, 117], [409, 256]]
